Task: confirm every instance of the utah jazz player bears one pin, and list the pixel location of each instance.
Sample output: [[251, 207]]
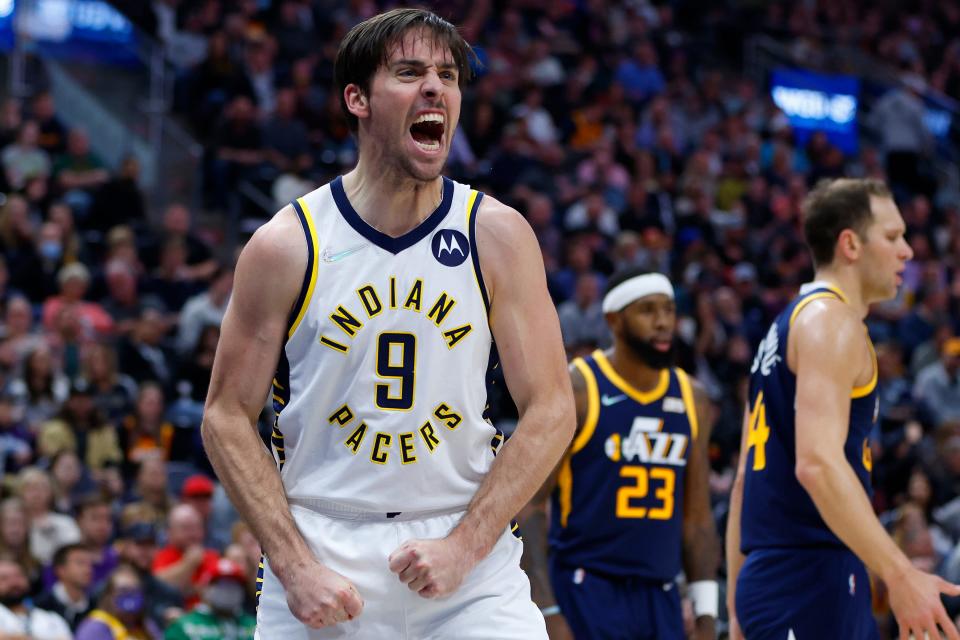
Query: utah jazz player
[[629, 503], [372, 304], [806, 524]]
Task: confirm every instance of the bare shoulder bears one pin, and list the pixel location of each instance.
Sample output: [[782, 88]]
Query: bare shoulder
[[828, 333], [274, 260], [508, 248]]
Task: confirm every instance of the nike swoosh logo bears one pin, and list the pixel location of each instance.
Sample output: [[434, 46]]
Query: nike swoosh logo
[[326, 256], [609, 401]]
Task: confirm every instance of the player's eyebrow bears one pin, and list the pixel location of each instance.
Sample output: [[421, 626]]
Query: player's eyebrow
[[420, 64]]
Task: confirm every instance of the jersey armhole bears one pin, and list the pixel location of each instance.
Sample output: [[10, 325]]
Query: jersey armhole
[[593, 406], [686, 392], [473, 209], [310, 274]]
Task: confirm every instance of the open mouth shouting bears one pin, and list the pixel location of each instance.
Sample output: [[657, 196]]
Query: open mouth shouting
[[427, 131]]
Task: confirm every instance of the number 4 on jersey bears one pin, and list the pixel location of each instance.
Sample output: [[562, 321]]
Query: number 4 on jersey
[[758, 432]]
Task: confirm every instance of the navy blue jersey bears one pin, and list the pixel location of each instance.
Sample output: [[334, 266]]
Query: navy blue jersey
[[618, 506], [777, 510]]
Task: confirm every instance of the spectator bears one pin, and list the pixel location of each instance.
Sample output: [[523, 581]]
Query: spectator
[[68, 481], [95, 520], [69, 597], [23, 159], [137, 546], [114, 393], [898, 117], [196, 371], [143, 355], [150, 494], [80, 427], [53, 135], [937, 388], [204, 309], [581, 318], [197, 491], [220, 613], [74, 279], [79, 172], [146, 431], [284, 135], [184, 561], [15, 538], [48, 530], [120, 612], [119, 200], [19, 337], [16, 450], [17, 619], [177, 224], [41, 389]]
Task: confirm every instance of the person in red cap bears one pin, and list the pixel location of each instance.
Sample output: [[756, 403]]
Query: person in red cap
[[184, 561], [220, 614]]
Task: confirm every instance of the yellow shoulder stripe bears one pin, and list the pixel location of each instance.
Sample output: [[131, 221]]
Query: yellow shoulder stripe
[[593, 407], [816, 296], [643, 397], [686, 391], [312, 267]]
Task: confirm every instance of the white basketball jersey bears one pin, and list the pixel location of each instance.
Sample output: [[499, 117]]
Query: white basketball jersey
[[381, 387]]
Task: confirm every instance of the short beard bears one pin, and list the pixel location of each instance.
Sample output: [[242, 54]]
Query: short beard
[[648, 355]]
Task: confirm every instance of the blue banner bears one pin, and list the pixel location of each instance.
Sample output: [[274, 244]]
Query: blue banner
[[817, 102], [81, 29]]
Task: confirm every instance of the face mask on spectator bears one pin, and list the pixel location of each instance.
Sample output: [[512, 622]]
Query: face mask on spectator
[[129, 601], [51, 250], [225, 596]]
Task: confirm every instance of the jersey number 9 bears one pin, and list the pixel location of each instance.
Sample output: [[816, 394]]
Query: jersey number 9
[[396, 363]]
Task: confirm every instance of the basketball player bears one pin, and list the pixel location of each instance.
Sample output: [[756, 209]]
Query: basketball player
[[372, 304], [630, 502], [800, 508]]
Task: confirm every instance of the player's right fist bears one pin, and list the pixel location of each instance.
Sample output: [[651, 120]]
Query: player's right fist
[[320, 597]]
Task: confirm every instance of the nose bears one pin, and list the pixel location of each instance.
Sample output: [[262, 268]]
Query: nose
[[907, 252], [432, 87]]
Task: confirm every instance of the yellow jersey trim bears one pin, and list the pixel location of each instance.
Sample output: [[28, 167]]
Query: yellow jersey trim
[[816, 296], [565, 488], [593, 407], [686, 391], [313, 271], [867, 389], [857, 392], [473, 206], [117, 628], [643, 397]]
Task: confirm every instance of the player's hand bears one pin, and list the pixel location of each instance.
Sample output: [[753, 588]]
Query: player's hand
[[432, 568], [320, 597], [557, 627], [915, 600]]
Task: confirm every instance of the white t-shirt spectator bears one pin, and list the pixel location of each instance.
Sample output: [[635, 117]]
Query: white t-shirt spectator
[[37, 624]]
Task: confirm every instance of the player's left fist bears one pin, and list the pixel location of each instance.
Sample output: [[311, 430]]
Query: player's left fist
[[432, 568]]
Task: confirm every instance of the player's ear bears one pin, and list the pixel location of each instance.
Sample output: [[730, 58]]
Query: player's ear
[[357, 101], [849, 244]]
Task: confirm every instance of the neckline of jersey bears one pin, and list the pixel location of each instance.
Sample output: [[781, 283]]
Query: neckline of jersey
[[643, 397], [382, 240]]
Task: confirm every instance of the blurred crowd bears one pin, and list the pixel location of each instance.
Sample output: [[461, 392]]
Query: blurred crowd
[[628, 134]]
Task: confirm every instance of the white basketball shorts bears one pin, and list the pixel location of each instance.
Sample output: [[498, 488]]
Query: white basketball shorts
[[493, 603]]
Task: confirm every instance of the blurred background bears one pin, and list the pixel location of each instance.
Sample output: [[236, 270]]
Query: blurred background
[[141, 143]]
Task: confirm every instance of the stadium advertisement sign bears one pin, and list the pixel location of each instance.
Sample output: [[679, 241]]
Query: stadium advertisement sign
[[818, 102], [86, 29]]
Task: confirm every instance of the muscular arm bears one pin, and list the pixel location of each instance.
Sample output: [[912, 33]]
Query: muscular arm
[[527, 333], [533, 520], [252, 335], [827, 365]]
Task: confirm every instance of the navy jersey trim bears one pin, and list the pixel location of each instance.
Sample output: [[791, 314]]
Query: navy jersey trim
[[472, 212], [382, 240], [310, 274]]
